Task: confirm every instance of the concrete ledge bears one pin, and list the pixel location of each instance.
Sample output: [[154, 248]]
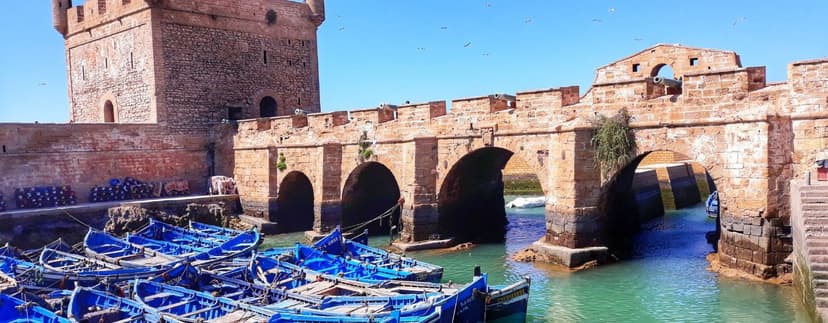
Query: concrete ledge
[[423, 245], [571, 257], [264, 226]]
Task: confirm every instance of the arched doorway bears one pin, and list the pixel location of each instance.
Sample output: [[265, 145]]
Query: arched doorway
[[295, 203], [267, 107], [369, 191], [654, 185], [109, 112], [470, 202]]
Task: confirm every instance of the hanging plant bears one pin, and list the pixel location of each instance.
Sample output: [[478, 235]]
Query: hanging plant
[[282, 164], [365, 151], [613, 143]]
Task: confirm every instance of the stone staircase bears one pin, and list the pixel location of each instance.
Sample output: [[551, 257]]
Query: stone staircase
[[813, 239]]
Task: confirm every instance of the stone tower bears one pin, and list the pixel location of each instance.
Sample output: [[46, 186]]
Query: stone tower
[[188, 65]]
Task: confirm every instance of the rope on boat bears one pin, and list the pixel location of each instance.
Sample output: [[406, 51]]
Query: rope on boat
[[78, 220], [359, 226]]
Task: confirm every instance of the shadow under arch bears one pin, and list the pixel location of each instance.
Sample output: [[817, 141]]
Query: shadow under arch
[[470, 201], [620, 205], [369, 191], [295, 203]]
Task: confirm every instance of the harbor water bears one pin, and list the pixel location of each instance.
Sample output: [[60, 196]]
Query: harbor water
[[666, 281]]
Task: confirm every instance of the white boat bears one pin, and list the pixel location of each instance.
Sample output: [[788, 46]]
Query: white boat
[[527, 202]]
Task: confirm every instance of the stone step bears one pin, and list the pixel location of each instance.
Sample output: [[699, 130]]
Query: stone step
[[808, 194], [816, 242], [814, 207], [814, 200], [818, 259], [818, 274], [264, 226], [815, 221], [821, 301], [819, 283], [815, 214], [817, 251], [813, 188], [820, 292]]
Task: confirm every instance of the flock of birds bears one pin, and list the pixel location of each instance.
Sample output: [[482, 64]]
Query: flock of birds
[[529, 20]]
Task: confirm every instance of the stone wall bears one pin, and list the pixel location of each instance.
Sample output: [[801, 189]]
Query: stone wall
[[87, 155], [647, 195], [186, 65], [112, 62]]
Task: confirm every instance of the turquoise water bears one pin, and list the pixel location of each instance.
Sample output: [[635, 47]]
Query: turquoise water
[[665, 281]]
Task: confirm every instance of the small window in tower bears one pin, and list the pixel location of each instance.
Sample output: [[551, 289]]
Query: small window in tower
[[131, 61], [694, 61], [299, 101], [264, 56], [234, 113], [83, 73], [636, 68], [106, 62], [109, 112]]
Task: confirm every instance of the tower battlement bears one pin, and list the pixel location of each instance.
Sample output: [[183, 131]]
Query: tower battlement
[[188, 64]]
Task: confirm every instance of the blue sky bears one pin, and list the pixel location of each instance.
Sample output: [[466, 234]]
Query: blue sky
[[373, 51]]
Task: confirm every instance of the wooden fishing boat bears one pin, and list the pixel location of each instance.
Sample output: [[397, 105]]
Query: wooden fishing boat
[[321, 262], [212, 229], [7, 282], [157, 230], [142, 252], [100, 245], [336, 244], [711, 206], [465, 304], [15, 310], [92, 305], [508, 303]]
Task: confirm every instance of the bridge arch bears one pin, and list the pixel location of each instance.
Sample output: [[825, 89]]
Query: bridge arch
[[370, 189], [295, 203], [471, 196], [627, 198]]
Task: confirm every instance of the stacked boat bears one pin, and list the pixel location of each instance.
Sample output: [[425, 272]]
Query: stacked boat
[[165, 273]]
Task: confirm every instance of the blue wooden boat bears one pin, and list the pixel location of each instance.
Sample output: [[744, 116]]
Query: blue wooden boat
[[58, 269], [143, 252], [67, 269], [100, 245], [462, 305], [212, 229], [324, 263], [15, 310], [92, 305], [712, 205], [508, 303], [336, 244], [157, 230]]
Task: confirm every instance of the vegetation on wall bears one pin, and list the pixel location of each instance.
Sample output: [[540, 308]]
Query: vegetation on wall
[[365, 152], [613, 142], [282, 164]]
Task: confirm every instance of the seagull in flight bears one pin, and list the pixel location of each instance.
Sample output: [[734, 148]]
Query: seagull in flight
[[596, 20], [739, 20], [467, 45]]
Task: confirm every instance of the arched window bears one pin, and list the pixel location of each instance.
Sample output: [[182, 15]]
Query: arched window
[[665, 71], [109, 112], [267, 107]]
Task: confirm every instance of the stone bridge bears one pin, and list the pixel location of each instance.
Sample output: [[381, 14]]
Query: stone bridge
[[753, 137]]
